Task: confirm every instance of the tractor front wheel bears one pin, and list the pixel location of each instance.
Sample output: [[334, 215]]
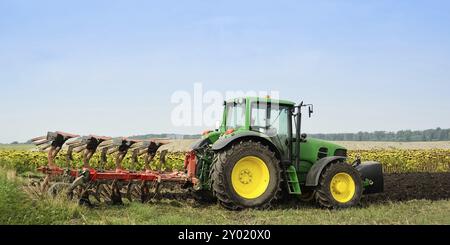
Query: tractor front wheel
[[246, 175], [340, 186]]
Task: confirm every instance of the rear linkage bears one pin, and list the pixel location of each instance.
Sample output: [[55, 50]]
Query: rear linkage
[[89, 185]]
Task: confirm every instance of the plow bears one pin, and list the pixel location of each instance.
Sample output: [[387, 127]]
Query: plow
[[88, 185], [257, 156]]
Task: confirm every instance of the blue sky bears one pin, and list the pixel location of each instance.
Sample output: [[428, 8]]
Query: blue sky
[[110, 67]]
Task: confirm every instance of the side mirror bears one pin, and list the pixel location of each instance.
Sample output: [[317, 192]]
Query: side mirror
[[218, 124], [310, 110]]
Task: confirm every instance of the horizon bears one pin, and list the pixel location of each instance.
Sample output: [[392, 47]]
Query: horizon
[[199, 134], [115, 68]]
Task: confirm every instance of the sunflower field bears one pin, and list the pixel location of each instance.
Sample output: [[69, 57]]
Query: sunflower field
[[406, 161], [24, 161], [394, 161]]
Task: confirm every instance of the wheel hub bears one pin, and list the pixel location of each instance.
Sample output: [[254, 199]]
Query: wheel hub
[[245, 176], [340, 187]]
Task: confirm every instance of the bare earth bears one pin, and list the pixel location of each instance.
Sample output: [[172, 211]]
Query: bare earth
[[183, 145]]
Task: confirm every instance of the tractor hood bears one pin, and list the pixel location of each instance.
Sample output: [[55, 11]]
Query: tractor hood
[[313, 149], [323, 143]]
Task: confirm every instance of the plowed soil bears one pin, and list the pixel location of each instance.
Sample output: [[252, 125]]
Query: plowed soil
[[410, 186]]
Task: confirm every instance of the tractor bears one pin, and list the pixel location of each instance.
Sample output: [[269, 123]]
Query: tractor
[[259, 154]]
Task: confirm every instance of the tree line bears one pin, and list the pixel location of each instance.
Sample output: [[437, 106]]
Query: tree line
[[166, 136], [437, 134]]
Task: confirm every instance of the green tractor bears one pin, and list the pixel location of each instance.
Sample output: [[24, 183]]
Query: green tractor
[[259, 154]]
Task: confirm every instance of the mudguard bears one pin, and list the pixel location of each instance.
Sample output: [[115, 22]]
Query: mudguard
[[312, 179], [224, 142], [373, 173], [200, 143]]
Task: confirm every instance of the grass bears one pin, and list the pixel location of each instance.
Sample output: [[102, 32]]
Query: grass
[[413, 212], [17, 207]]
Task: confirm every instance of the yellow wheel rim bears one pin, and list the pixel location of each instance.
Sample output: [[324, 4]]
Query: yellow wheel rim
[[250, 177], [342, 187]]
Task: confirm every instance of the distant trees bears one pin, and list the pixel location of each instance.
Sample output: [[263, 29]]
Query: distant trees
[[437, 134], [168, 136]]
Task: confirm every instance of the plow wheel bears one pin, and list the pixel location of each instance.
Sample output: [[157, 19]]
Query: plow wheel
[[51, 185], [39, 187]]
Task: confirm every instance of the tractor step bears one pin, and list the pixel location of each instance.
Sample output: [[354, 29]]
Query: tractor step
[[292, 181]]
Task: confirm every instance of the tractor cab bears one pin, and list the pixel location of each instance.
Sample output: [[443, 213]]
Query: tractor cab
[[266, 117], [277, 121]]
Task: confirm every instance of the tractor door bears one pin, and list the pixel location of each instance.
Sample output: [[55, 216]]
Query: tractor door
[[275, 121]]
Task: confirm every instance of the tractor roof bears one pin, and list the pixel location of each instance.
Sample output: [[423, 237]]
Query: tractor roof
[[264, 99]]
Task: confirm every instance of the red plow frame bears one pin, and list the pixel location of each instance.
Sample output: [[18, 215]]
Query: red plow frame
[[88, 184]]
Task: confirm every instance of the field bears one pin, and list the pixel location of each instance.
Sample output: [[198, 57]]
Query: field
[[417, 189], [394, 160]]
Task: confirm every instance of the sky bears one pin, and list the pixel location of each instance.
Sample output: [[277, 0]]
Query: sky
[[112, 67]]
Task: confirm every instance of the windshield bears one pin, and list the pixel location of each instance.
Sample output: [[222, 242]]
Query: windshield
[[271, 119], [235, 115]]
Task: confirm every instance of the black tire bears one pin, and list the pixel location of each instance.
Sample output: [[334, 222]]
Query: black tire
[[323, 195], [224, 162]]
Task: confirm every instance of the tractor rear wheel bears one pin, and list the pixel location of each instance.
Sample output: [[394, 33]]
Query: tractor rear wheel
[[246, 175], [340, 186]]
